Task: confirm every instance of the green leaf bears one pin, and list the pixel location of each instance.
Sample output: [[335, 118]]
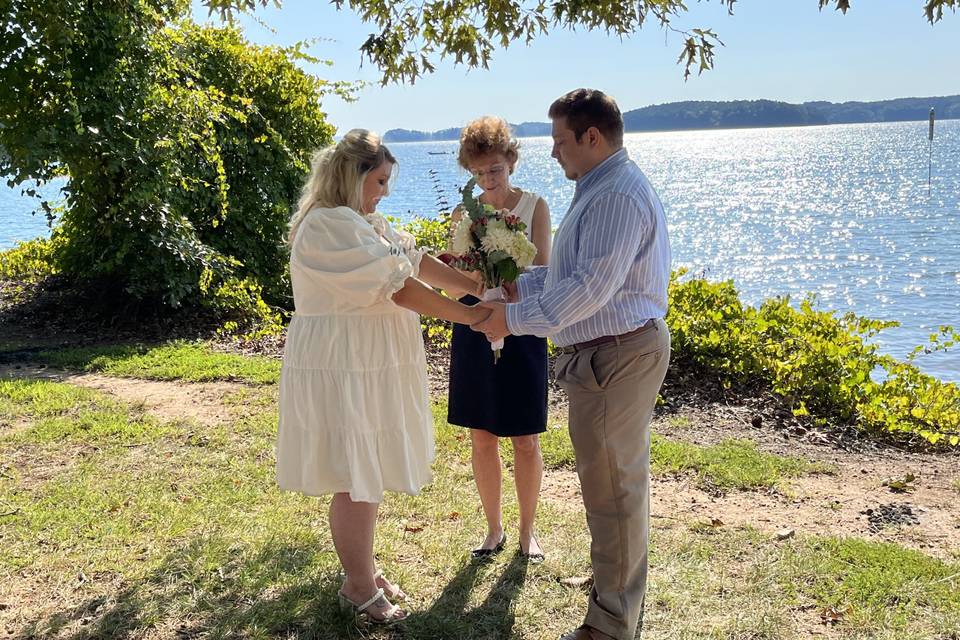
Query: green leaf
[[508, 270]]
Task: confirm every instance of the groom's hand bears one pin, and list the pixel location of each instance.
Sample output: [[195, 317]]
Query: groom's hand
[[510, 291], [480, 290], [495, 326]]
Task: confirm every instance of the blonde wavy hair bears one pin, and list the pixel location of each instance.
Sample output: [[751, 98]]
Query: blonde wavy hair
[[337, 173], [486, 135]]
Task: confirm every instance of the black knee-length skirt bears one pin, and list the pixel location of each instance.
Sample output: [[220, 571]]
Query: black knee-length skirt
[[508, 398]]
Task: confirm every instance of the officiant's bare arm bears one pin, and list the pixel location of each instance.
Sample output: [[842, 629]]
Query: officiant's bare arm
[[541, 232], [419, 297]]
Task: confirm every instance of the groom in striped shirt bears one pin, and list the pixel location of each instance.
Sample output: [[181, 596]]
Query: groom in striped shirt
[[602, 300]]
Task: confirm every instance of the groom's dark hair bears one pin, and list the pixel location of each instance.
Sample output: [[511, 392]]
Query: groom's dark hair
[[585, 108]]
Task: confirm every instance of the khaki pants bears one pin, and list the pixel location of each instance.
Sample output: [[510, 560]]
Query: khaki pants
[[612, 390]]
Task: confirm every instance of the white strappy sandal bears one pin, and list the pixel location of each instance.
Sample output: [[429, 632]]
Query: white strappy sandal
[[391, 614], [396, 595]]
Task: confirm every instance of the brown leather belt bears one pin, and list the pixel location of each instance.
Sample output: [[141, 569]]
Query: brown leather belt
[[607, 339]]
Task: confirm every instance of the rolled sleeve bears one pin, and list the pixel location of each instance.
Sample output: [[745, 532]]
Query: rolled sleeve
[[531, 282]]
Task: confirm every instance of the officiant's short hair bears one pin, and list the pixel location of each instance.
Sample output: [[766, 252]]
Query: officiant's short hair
[[486, 135], [585, 108]]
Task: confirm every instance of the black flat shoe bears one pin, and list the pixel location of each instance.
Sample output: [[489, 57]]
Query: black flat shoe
[[486, 553], [533, 558]]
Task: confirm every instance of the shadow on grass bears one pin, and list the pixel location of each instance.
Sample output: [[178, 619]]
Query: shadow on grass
[[449, 616], [276, 592], [268, 594]]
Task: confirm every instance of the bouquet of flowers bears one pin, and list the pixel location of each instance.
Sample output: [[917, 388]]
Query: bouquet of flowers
[[492, 242]]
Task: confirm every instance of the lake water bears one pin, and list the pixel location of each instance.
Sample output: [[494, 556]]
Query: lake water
[[842, 211]]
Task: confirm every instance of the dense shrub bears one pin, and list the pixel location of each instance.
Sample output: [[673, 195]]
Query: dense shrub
[[824, 365], [29, 261]]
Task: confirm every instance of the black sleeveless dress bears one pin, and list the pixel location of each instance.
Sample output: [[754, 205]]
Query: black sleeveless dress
[[508, 398]]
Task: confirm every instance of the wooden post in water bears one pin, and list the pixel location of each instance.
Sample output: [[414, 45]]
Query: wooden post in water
[[930, 152]]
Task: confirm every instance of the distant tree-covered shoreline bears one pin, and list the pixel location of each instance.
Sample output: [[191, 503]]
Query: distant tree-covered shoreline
[[680, 116]]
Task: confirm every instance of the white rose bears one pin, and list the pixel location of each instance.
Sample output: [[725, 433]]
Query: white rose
[[462, 238]]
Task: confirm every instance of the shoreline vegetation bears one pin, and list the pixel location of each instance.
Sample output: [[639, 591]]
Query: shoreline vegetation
[[822, 367], [736, 114]]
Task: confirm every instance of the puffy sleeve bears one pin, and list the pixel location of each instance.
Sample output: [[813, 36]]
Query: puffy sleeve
[[343, 256], [405, 241]]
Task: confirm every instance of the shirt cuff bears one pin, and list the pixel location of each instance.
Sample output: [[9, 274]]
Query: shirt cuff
[[515, 319]]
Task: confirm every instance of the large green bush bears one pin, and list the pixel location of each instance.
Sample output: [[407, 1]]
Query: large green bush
[[260, 149], [823, 365], [184, 146]]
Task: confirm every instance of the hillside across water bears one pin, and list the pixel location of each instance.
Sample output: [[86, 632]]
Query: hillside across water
[[738, 114]]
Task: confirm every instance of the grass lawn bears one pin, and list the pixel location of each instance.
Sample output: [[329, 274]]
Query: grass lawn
[[116, 525], [187, 361]]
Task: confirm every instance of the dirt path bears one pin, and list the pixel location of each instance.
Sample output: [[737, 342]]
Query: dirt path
[[202, 402]]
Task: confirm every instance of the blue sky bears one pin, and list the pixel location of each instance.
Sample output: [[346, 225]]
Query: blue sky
[[781, 50]]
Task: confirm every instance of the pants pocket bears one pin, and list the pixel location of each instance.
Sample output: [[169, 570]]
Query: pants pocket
[[576, 370], [604, 364]]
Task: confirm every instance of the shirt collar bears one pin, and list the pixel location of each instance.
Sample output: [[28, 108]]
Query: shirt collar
[[603, 168]]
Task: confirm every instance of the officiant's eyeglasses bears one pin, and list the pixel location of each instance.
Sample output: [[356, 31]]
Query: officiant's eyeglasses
[[494, 172]]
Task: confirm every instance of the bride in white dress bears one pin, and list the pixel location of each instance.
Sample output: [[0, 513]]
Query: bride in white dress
[[355, 417]]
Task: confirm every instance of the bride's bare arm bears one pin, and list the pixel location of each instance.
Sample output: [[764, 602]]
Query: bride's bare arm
[[417, 296]]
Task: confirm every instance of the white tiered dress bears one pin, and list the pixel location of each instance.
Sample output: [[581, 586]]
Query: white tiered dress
[[354, 411]]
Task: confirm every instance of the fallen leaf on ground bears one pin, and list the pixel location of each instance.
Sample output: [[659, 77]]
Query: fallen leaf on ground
[[833, 615], [900, 485], [577, 581]]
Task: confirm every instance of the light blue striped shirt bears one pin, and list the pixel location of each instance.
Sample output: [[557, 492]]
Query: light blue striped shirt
[[610, 265]]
